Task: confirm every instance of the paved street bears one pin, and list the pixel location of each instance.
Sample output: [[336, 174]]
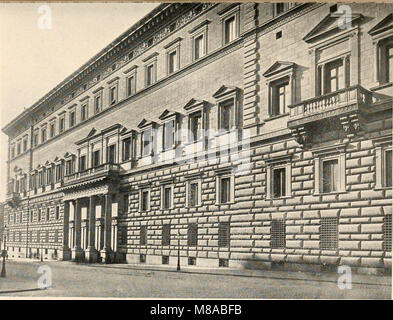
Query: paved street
[[73, 280]]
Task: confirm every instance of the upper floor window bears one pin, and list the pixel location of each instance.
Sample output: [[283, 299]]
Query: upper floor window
[[49, 176], [146, 142], [166, 196], [193, 193], [12, 152], [82, 163], [52, 129], [228, 105], [131, 85], [225, 188], [72, 118], [111, 153], [281, 7], [61, 124], [126, 149], [59, 172], [84, 112], [199, 47], [149, 74], [195, 123], [226, 115], [97, 103], [382, 36], [24, 144], [96, 158], [229, 29], [18, 148], [173, 62], [199, 40], [333, 75], [69, 167], [280, 96], [168, 135], [113, 94], [330, 175], [43, 135]]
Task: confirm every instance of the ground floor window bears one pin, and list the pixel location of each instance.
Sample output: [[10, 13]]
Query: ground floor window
[[329, 233], [278, 236], [387, 233]]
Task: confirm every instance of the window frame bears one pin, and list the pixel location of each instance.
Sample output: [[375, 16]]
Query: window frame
[[84, 106], [191, 181], [382, 145], [325, 154], [62, 121], [201, 30], [150, 61], [227, 14], [164, 187], [97, 97], [274, 164], [141, 191], [219, 177]]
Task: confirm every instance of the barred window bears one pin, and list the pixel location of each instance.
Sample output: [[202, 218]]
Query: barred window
[[166, 234], [278, 234], [143, 235], [123, 235], [387, 233], [56, 240], [192, 239], [329, 233], [223, 234]]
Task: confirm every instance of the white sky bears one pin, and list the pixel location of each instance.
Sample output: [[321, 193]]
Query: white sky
[[34, 60]]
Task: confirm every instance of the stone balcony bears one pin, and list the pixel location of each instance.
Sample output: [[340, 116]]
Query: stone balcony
[[13, 198], [106, 170], [343, 106]]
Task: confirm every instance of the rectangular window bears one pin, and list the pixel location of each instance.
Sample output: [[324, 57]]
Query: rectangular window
[[126, 149], [39, 215], [225, 190], [329, 233], [387, 233], [143, 235], [388, 168], [57, 215], [24, 144], [59, 171], [165, 259], [131, 86], [199, 47], [84, 112], [13, 151], [82, 163], [69, 167], [166, 234], [334, 76], [330, 175], [43, 135], [145, 200], [167, 201], [280, 97], [96, 158], [47, 214], [191, 261], [125, 203], [149, 75], [196, 126], [146, 142], [18, 149], [172, 62], [389, 63], [61, 124], [278, 234], [52, 129], [192, 235], [226, 115], [194, 194], [113, 95], [279, 187], [142, 258], [223, 234], [97, 104], [279, 8], [169, 134], [229, 30], [49, 176], [111, 154], [72, 118]]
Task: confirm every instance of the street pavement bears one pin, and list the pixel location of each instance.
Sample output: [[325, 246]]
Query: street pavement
[[128, 281]]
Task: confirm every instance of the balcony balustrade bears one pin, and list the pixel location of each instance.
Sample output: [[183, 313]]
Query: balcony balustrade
[[338, 103], [92, 173]]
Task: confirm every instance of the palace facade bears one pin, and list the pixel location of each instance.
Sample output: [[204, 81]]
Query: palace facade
[[217, 135]]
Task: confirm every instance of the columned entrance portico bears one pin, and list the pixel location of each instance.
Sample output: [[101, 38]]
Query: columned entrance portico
[[92, 220]]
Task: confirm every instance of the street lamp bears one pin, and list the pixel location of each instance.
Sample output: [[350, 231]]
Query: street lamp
[[4, 253], [178, 250]]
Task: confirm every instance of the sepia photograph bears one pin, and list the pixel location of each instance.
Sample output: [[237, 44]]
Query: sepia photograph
[[196, 150]]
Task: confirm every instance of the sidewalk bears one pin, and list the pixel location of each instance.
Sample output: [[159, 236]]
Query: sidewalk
[[268, 274]]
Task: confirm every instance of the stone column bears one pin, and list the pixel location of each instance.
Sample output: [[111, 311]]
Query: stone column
[[106, 252], [114, 239], [65, 252], [91, 252], [77, 252]]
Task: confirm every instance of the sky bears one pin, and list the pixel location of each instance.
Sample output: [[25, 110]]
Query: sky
[[37, 52]]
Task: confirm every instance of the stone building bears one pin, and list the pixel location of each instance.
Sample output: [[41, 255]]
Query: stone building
[[222, 135]]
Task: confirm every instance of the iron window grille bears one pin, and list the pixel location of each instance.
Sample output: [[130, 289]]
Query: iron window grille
[[278, 236], [329, 233], [387, 233], [223, 234]]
